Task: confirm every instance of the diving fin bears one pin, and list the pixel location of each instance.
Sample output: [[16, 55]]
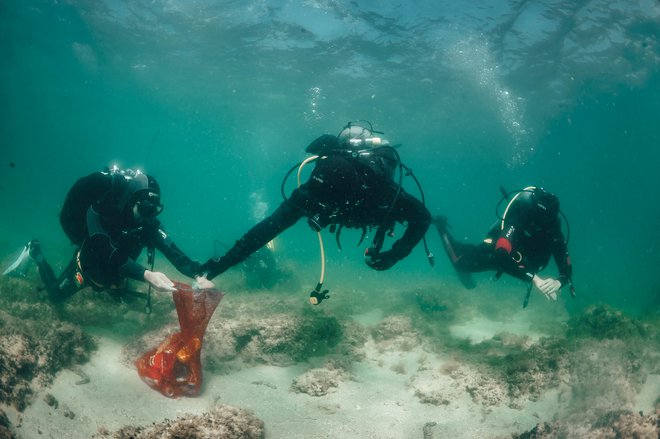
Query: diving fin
[[466, 278], [20, 265]]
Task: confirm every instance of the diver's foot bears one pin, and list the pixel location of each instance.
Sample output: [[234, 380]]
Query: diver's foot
[[466, 279], [34, 248], [450, 248], [21, 265], [440, 222]]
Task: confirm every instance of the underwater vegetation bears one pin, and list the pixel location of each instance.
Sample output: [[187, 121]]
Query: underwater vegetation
[[245, 334], [319, 381], [34, 346], [606, 323], [5, 426], [618, 424], [596, 361], [220, 422]]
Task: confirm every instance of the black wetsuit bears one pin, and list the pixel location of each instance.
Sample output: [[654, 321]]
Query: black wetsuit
[[111, 242], [521, 248], [341, 191]]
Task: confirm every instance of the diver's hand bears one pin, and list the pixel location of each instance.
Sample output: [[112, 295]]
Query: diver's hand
[[548, 287], [159, 281], [380, 260], [206, 266], [212, 268], [202, 283]]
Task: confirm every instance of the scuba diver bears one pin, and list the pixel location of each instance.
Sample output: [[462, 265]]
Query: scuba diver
[[261, 269], [110, 216], [352, 185], [520, 244]]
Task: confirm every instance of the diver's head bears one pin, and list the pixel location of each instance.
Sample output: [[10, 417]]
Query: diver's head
[[355, 136], [141, 197], [359, 135], [545, 207], [147, 203]]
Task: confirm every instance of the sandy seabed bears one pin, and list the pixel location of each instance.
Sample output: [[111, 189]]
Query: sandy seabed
[[377, 403], [426, 363]]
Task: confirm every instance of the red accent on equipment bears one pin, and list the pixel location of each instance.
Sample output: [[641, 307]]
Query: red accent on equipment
[[504, 244], [174, 368]]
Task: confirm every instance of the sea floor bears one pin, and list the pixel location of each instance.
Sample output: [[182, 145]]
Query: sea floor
[[424, 363], [377, 402]]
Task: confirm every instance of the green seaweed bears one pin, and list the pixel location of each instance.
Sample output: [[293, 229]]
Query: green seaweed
[[604, 322]]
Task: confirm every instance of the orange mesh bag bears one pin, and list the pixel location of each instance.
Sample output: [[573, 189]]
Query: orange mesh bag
[[174, 368]]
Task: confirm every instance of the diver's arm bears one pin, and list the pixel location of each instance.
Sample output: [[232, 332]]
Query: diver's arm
[[407, 210], [410, 210], [562, 258], [107, 255], [284, 217], [506, 255], [174, 254]]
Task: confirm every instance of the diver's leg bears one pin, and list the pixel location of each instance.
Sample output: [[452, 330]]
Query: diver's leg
[[476, 258], [455, 251], [45, 270], [59, 289], [68, 284]]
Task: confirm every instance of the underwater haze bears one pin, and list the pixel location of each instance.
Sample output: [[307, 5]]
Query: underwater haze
[[218, 99]]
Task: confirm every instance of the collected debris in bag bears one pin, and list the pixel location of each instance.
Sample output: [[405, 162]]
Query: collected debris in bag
[[174, 368]]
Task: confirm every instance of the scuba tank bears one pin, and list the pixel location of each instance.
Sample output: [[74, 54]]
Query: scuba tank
[[512, 197], [356, 141]]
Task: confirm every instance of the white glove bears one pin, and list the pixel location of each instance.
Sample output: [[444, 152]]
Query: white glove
[[202, 283], [548, 287], [159, 281]]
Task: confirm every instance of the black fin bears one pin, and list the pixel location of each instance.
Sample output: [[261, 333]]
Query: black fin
[[337, 235], [364, 233], [466, 278]]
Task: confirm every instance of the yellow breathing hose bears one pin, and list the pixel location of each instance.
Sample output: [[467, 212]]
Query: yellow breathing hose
[[322, 277], [302, 165]]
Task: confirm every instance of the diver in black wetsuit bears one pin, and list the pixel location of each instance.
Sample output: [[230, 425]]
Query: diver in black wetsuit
[[110, 216], [351, 186], [520, 244]]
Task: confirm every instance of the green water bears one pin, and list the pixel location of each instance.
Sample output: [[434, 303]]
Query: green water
[[219, 99]]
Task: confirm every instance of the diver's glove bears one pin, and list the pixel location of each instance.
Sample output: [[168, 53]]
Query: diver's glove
[[548, 287], [202, 283], [211, 268], [159, 280], [380, 260]]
